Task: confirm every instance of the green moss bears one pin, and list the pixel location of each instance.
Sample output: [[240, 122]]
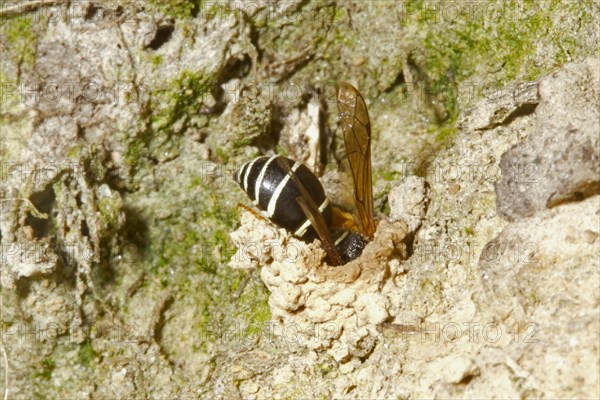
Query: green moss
[[486, 44], [533, 297], [134, 152], [172, 107], [181, 9], [18, 32], [157, 59], [58, 188], [86, 355], [109, 208], [258, 311], [178, 100], [153, 58], [222, 154], [75, 153], [445, 133], [390, 176], [188, 254], [326, 367], [189, 244], [279, 149], [47, 367]]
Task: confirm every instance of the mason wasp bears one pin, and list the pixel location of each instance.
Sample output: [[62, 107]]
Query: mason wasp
[[293, 197]]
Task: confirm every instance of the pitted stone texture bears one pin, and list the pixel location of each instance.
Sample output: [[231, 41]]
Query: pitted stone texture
[[561, 161]]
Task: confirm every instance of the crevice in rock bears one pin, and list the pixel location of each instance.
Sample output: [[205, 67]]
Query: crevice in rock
[[91, 12], [582, 192], [162, 36], [467, 379], [410, 238], [234, 68], [398, 81], [135, 230], [425, 91], [523, 110], [43, 202]]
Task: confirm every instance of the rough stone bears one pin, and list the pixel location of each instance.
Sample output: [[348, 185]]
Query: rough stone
[[500, 106], [405, 321], [528, 268], [408, 202], [455, 368], [560, 162]]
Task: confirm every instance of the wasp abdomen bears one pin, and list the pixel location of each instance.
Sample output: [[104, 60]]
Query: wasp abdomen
[[272, 190]]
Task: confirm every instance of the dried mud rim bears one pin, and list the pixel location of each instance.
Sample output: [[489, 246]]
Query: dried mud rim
[[390, 240]]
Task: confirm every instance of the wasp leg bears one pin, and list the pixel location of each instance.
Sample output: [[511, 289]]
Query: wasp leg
[[250, 210]]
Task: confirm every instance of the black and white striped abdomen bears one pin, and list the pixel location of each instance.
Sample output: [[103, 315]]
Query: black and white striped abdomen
[[274, 192]]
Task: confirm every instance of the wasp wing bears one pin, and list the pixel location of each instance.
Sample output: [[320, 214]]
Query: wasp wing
[[311, 210], [357, 137], [317, 221]]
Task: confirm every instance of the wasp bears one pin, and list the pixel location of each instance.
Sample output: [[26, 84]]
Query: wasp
[[293, 197]]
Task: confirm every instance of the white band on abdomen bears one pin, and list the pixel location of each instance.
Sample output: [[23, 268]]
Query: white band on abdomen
[[279, 189], [302, 230]]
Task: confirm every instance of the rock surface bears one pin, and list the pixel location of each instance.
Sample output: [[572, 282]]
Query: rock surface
[[560, 162], [408, 202], [121, 123]]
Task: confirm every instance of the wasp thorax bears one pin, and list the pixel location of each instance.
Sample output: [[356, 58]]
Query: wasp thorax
[[350, 244]]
